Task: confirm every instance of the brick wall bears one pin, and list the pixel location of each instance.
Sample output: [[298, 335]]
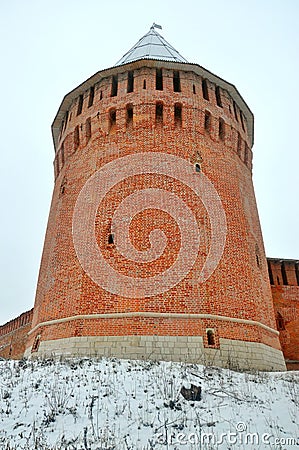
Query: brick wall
[[284, 277], [235, 301], [13, 336], [213, 137]]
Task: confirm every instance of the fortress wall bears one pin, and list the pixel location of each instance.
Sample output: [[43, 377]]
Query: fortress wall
[[284, 278], [13, 336]]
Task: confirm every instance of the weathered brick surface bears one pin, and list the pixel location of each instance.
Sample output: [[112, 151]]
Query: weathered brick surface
[[286, 306], [74, 312], [238, 288], [13, 336]]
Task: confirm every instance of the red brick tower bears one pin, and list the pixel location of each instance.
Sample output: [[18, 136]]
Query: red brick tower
[[153, 247]]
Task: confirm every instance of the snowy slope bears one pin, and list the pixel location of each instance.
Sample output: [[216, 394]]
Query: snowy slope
[[117, 404]]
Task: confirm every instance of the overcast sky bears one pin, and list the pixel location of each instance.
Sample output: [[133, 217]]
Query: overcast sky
[[48, 47]]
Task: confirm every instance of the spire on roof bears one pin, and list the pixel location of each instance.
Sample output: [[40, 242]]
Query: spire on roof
[[152, 46]]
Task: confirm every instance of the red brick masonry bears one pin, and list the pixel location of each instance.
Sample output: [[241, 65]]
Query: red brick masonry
[[149, 120], [14, 334], [284, 278], [98, 128]]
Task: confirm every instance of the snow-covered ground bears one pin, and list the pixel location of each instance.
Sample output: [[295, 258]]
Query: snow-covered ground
[[119, 404]]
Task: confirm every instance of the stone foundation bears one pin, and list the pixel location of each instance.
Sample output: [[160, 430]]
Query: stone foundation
[[234, 354]]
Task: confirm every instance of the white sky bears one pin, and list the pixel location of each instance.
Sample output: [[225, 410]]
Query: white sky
[[48, 47]]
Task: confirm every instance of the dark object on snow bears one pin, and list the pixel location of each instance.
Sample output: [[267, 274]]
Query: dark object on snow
[[173, 405], [192, 394]]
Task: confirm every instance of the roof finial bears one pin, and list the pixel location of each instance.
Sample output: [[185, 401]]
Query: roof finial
[[155, 25]]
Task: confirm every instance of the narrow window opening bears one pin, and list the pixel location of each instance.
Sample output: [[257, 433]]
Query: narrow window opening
[[278, 280], [159, 80], [111, 238], [280, 322], [112, 118], [178, 114], [297, 272], [129, 115], [144, 84], [211, 337], [101, 95], [159, 113], [130, 85], [235, 111], [63, 186], [284, 274], [270, 273], [57, 166], [176, 81], [221, 129], [194, 89], [197, 168], [88, 129], [242, 121], [218, 96], [258, 260], [80, 105], [62, 155], [35, 344], [205, 91], [239, 145], [91, 96], [76, 138], [114, 86], [207, 124]]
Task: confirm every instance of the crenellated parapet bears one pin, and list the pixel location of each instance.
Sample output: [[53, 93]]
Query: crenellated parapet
[[284, 280], [13, 336], [123, 98]]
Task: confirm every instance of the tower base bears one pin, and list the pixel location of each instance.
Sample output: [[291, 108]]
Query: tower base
[[233, 354]]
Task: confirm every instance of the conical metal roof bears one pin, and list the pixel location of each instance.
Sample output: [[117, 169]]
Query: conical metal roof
[[152, 46]]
